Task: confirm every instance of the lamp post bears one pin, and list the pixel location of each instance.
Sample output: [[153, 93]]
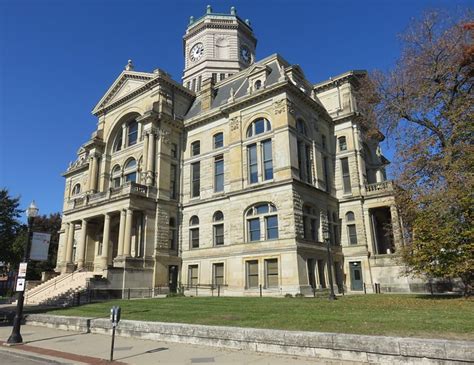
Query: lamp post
[[15, 337], [332, 296]]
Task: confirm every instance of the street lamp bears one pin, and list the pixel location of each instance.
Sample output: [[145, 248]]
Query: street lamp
[[15, 337], [332, 296]]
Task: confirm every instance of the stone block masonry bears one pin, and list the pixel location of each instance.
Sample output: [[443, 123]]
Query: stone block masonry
[[319, 345]]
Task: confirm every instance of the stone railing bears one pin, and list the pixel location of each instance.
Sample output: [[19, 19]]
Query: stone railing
[[128, 188], [379, 187]]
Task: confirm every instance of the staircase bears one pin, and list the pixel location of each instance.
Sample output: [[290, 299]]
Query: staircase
[[58, 291]]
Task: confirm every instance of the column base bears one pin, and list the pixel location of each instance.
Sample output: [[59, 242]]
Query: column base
[[101, 264], [67, 268]]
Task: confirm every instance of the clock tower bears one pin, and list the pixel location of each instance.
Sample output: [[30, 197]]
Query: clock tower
[[216, 46]]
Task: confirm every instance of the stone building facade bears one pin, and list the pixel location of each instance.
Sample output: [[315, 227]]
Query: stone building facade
[[236, 177]]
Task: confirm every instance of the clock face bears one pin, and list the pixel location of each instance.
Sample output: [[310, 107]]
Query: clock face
[[245, 54], [196, 52]]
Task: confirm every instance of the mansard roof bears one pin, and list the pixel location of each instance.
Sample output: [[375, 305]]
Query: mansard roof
[[275, 65]]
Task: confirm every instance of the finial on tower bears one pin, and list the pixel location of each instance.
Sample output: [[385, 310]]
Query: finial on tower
[[208, 9], [247, 21], [233, 10], [191, 20], [129, 66]]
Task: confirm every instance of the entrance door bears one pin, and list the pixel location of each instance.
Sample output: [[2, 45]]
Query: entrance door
[[173, 278], [356, 275]]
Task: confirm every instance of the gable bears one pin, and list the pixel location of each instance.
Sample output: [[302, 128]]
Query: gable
[[126, 84]]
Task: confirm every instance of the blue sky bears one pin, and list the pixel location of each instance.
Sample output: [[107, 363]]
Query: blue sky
[[57, 59]]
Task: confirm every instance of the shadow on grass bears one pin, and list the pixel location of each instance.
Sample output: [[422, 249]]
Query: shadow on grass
[[439, 296]]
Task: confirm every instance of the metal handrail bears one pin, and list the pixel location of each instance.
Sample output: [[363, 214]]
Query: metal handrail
[[29, 296]]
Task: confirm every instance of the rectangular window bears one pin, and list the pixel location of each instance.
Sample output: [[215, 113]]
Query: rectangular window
[[221, 77], [300, 160], [195, 179], [271, 222], [352, 232], [173, 172], [192, 275], [218, 274], [305, 227], [218, 140], [253, 163], [252, 274], [326, 173], [346, 176], [214, 77], [174, 150], [198, 88], [254, 229], [267, 160], [172, 238], [323, 142], [195, 148], [219, 174], [218, 234], [308, 164], [271, 273], [314, 229], [194, 237], [193, 87]]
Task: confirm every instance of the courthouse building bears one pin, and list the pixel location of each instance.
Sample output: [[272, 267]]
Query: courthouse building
[[236, 176]]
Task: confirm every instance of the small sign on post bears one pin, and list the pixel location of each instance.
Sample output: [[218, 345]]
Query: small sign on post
[[114, 318], [22, 270], [20, 284]]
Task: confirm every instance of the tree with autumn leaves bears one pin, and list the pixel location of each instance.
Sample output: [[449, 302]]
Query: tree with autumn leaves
[[425, 103]]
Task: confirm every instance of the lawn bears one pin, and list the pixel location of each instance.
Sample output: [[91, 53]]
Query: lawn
[[397, 315]]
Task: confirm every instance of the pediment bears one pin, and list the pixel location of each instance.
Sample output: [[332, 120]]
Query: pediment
[[257, 68], [127, 83]]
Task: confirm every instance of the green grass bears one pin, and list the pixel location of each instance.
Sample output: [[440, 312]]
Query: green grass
[[397, 315]]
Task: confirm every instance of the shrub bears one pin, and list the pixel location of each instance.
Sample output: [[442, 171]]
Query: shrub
[[288, 295]]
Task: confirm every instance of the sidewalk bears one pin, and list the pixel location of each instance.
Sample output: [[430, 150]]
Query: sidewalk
[[67, 347]]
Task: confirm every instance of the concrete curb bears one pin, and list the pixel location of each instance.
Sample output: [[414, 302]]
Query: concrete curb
[[370, 349]]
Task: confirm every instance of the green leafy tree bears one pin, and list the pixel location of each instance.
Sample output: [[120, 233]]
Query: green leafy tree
[[426, 104], [46, 224], [10, 227]]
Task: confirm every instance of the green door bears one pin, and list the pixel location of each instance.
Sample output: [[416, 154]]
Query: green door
[[356, 276]]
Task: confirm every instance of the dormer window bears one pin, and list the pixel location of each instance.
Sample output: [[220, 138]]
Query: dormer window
[[257, 85], [76, 189]]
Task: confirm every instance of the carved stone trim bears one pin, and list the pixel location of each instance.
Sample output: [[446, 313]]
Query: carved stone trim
[[234, 123]]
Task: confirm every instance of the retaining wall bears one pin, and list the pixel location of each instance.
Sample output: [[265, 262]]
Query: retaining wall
[[369, 349]]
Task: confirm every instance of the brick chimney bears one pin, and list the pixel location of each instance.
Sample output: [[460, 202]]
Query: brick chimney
[[207, 94]]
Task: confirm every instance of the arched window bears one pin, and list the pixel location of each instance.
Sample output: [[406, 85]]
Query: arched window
[[118, 142], [195, 148], [342, 143], [172, 235], [310, 223], [132, 133], [218, 228], [116, 176], [260, 218], [351, 228], [257, 85], [218, 140], [130, 170], [194, 232], [76, 189], [259, 126]]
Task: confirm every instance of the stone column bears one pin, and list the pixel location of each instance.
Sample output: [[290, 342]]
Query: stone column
[[150, 173], [121, 233], [124, 135], [396, 227], [128, 233], [360, 164], [105, 242], [81, 249], [70, 242], [145, 155], [94, 172], [66, 236]]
